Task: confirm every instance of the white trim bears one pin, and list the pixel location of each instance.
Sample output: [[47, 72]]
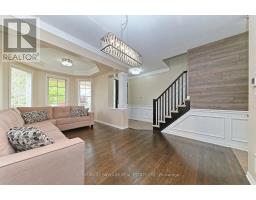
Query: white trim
[[251, 180], [113, 125], [93, 52], [158, 71], [231, 128], [140, 119], [199, 132], [213, 126], [206, 140], [141, 113], [221, 111], [88, 72], [66, 36]]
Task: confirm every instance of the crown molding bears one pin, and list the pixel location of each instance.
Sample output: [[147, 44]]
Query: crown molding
[[93, 53], [53, 30], [150, 73]]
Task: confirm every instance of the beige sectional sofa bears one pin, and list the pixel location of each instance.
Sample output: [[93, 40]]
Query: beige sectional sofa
[[58, 163], [60, 117]]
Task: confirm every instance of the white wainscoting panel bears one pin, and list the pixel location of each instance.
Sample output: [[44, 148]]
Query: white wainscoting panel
[[226, 128], [239, 130], [142, 113]]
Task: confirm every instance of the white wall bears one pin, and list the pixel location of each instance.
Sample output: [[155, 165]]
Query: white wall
[[1, 87], [222, 127], [141, 113], [252, 102], [39, 85], [143, 89], [103, 112]]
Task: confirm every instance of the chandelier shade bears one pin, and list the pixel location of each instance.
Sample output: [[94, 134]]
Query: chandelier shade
[[112, 45]]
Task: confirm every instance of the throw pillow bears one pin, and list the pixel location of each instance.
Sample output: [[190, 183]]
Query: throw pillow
[[25, 138], [34, 116], [79, 111]]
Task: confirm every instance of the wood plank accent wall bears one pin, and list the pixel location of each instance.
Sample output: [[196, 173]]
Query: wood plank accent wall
[[218, 74]]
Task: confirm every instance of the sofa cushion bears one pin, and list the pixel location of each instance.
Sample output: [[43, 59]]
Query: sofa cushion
[[8, 119], [70, 120], [29, 109], [34, 116], [26, 138], [50, 129], [84, 118], [61, 112], [53, 121], [67, 120], [78, 111]]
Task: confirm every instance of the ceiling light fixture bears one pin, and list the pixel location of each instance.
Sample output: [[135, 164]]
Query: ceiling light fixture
[[135, 70], [66, 62], [115, 47]]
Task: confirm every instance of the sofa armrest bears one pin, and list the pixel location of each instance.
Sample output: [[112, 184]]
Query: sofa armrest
[[58, 163]]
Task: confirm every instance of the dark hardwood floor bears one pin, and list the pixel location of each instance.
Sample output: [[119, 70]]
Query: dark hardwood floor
[[114, 156]]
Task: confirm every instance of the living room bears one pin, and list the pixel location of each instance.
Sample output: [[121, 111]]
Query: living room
[[127, 99]]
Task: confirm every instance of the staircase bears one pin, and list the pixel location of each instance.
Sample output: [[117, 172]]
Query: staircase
[[171, 104]]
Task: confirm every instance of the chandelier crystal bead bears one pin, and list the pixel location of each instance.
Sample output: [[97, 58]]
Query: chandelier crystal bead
[[115, 47]]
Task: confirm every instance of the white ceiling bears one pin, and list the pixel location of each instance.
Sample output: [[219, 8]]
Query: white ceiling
[[155, 37], [50, 59]]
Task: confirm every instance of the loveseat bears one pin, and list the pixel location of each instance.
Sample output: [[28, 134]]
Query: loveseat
[[59, 163]]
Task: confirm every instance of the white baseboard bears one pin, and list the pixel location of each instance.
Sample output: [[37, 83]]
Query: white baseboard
[[113, 125], [251, 180], [225, 128]]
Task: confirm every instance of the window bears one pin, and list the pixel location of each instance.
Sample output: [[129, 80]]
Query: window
[[56, 92], [85, 94], [21, 88]]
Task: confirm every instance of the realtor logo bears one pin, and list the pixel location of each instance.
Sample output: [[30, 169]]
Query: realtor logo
[[20, 40]]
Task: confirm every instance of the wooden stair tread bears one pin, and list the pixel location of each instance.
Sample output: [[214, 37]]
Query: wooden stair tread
[[174, 98]]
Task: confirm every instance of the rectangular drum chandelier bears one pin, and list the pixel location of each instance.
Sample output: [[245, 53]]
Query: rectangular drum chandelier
[[115, 47]]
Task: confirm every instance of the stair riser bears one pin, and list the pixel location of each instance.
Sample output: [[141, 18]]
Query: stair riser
[[177, 94], [175, 116]]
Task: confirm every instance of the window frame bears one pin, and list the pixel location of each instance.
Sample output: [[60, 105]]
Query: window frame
[[48, 76], [78, 92], [18, 67]]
